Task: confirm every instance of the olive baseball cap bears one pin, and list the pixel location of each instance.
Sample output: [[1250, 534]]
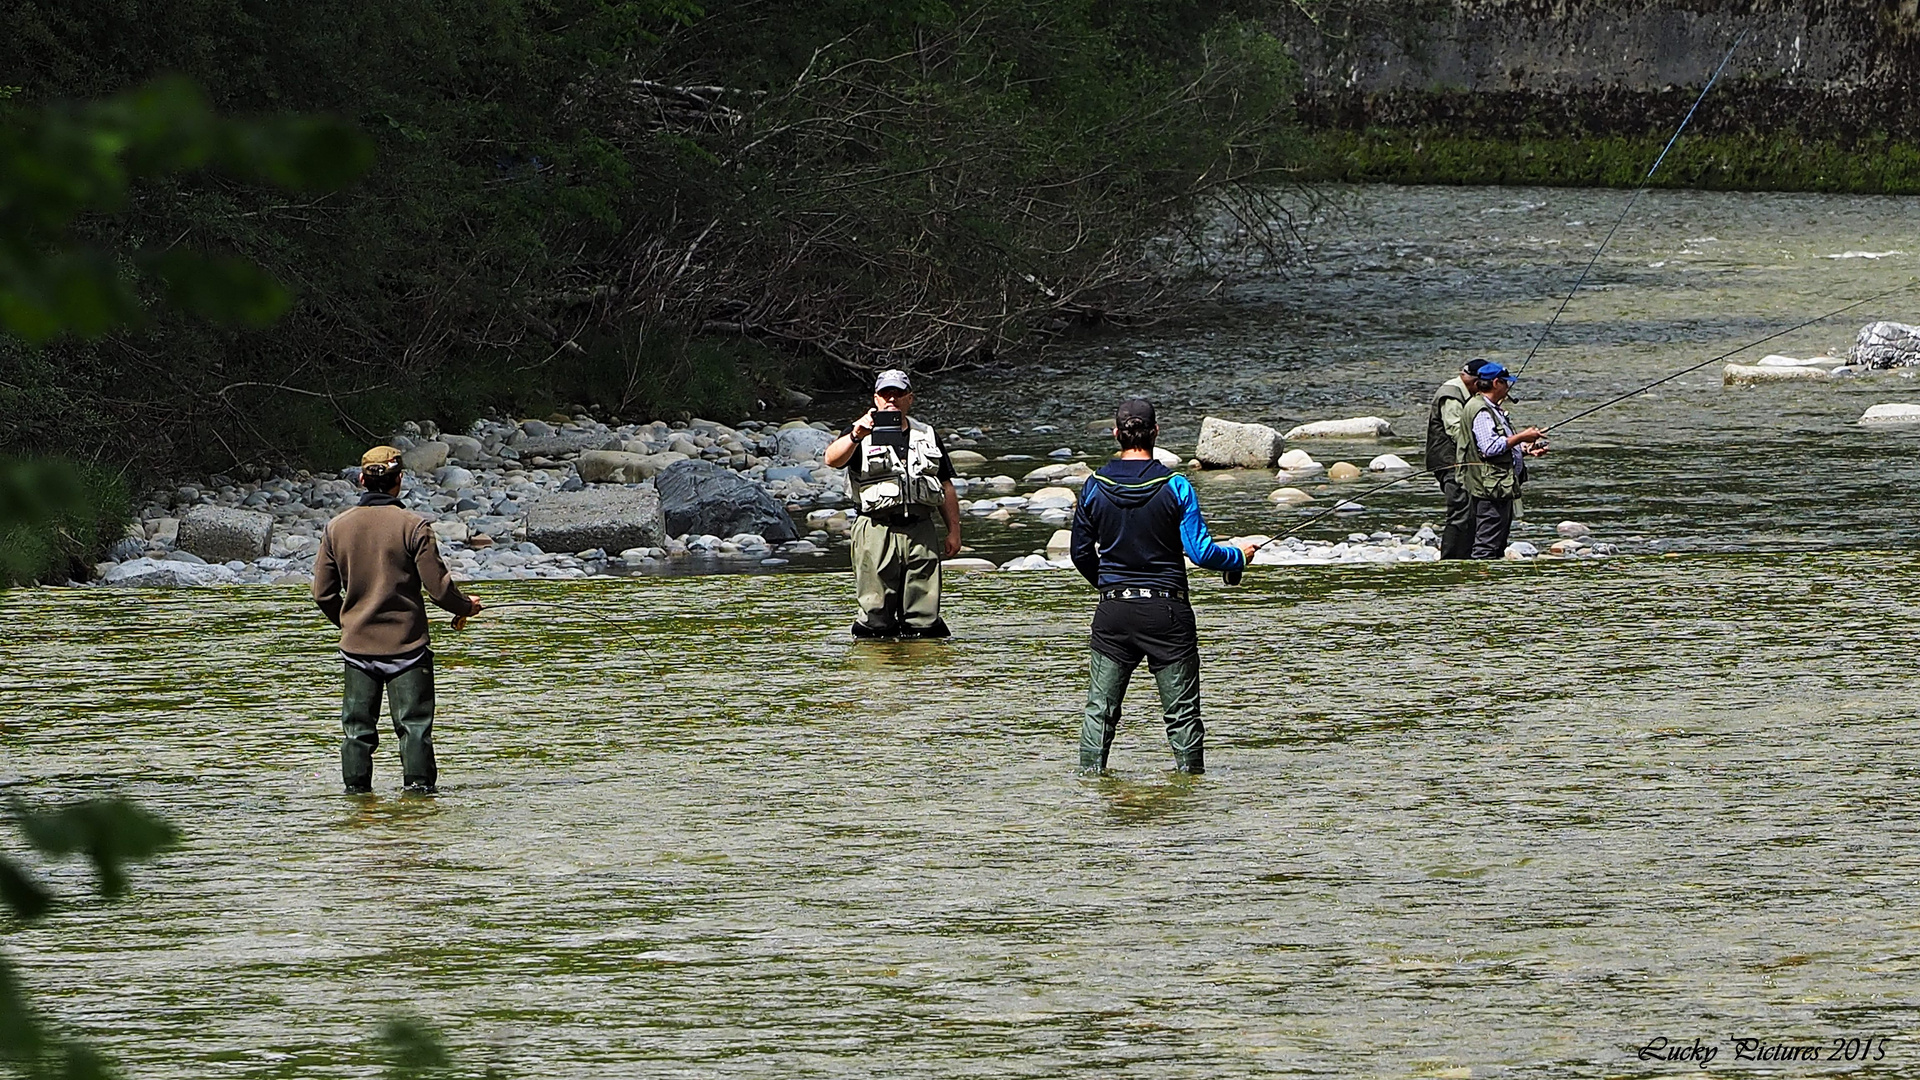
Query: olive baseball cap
[[380, 459]]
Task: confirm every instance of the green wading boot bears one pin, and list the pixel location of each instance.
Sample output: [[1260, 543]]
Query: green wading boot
[[410, 696], [1106, 687], [1180, 699], [360, 730]]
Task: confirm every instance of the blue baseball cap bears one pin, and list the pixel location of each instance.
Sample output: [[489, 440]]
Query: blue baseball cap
[[1493, 371]]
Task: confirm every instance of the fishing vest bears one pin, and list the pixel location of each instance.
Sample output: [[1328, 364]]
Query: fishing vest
[[885, 478], [1486, 479], [1442, 445]]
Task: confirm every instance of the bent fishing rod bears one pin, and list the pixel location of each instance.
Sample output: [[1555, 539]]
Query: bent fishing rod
[[1337, 507], [1542, 339]]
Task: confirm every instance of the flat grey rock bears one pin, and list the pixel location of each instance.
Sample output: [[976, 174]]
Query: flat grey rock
[[609, 518], [219, 534]]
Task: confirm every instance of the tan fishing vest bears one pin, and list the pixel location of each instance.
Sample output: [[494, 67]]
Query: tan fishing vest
[[885, 478], [1486, 479]]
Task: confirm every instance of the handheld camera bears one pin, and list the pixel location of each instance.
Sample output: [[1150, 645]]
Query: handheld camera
[[887, 430]]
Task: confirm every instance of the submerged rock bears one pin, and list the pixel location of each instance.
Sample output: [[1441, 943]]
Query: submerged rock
[[1743, 375], [1389, 463], [1343, 470], [1290, 496]]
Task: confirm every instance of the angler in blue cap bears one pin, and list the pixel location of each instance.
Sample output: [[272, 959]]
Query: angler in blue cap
[[1492, 461], [1136, 525]]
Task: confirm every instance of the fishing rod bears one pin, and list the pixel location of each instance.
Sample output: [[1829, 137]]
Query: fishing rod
[[1337, 507], [572, 610], [1911, 282], [1542, 340]]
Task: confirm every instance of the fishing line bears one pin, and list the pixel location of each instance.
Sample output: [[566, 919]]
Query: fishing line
[[1732, 352], [563, 607], [1542, 340], [1613, 401]]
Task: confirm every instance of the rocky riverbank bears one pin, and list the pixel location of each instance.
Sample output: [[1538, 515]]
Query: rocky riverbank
[[573, 498]]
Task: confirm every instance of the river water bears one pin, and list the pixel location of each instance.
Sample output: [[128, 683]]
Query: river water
[[1513, 820]]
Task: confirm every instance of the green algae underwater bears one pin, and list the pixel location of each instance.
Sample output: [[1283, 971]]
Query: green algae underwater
[[1514, 819]]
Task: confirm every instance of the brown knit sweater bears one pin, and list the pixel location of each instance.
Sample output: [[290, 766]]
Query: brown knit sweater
[[375, 559]]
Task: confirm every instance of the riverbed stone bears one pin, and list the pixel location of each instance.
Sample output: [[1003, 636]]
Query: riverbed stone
[[802, 443], [1744, 375], [966, 565], [1353, 427], [1572, 530], [1892, 412], [1073, 472], [1290, 496], [464, 448], [425, 457], [1887, 345], [146, 573], [1343, 470], [1388, 463], [219, 533], [621, 467], [1295, 460], [966, 459], [1226, 444], [702, 497], [609, 518], [1060, 542]]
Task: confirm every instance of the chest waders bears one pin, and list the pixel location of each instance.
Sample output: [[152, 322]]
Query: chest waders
[[896, 545], [1443, 450], [1493, 485]]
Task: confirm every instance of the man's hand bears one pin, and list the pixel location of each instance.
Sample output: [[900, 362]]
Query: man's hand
[[952, 546], [863, 427], [1247, 547], [1532, 434], [460, 621], [1537, 449]]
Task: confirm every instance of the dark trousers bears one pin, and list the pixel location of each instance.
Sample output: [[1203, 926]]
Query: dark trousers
[[1161, 632], [410, 698], [1492, 523], [1456, 539]]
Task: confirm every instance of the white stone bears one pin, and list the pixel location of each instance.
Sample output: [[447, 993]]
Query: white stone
[[1776, 360], [1520, 549], [1388, 463], [966, 459], [1294, 460], [1891, 413], [1355, 427], [1028, 562], [1290, 496], [1166, 457], [1572, 530], [966, 566], [1063, 473], [1061, 540], [1742, 375], [1048, 498], [1225, 444]]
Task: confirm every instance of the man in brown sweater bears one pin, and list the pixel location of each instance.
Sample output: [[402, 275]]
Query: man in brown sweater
[[375, 561]]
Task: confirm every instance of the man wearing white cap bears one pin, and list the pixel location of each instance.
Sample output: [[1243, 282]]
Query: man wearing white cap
[[901, 477]]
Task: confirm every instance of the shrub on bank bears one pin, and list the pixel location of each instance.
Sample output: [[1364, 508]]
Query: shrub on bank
[[57, 518]]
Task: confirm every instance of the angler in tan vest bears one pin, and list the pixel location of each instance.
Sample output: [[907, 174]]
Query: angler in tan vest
[[375, 561], [902, 478]]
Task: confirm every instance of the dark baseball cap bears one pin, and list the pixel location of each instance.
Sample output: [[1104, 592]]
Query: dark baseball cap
[[1473, 366], [1134, 409]]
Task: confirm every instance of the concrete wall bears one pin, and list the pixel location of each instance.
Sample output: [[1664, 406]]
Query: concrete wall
[[1849, 64]]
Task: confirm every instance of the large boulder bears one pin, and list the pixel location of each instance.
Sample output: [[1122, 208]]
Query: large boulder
[[621, 467], [222, 533], [144, 573], [464, 448], [1353, 427], [425, 457], [801, 443], [1225, 444], [701, 497], [1891, 413], [609, 518], [1887, 345]]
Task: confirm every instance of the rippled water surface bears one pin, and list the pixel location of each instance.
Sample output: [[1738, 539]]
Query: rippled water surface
[[1404, 284], [1515, 820]]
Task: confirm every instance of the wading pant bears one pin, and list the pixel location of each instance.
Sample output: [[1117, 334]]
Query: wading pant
[[1492, 523], [896, 572], [1179, 684], [410, 697], [1456, 538]]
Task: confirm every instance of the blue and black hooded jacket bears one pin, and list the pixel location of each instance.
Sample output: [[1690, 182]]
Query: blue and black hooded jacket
[[1135, 521]]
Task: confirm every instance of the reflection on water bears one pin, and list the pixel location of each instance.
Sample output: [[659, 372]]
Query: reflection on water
[[1515, 820]]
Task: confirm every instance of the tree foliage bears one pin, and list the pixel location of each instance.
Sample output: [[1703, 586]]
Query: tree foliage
[[649, 205]]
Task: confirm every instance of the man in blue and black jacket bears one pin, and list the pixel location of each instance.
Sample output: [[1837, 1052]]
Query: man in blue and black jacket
[[1136, 521]]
